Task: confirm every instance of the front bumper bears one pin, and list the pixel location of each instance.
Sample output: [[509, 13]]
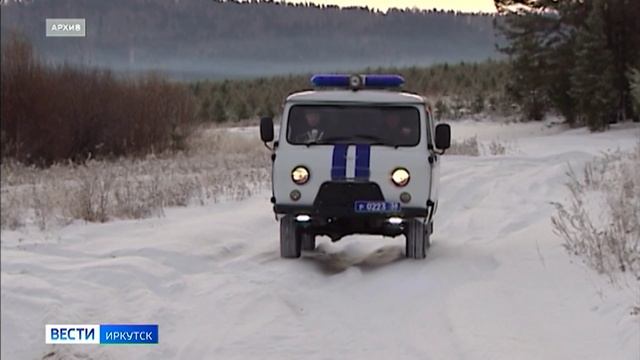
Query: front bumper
[[342, 212], [337, 222]]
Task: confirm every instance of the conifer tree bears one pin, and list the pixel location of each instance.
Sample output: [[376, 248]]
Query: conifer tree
[[593, 75], [205, 110], [528, 62], [241, 110], [219, 112], [572, 53], [478, 103], [442, 110], [267, 109], [634, 75]]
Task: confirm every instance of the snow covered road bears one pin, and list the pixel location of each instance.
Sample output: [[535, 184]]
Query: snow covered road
[[497, 283]]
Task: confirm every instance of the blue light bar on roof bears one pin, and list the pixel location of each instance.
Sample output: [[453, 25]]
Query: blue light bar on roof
[[382, 81], [330, 80], [357, 81]]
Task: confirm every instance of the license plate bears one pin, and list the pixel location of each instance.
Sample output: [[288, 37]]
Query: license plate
[[376, 206]]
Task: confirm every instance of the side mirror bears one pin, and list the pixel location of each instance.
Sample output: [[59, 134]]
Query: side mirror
[[443, 136], [266, 129]]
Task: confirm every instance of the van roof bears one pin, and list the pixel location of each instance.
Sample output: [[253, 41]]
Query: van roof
[[360, 96]]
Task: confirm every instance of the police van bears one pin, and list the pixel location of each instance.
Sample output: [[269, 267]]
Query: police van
[[355, 155]]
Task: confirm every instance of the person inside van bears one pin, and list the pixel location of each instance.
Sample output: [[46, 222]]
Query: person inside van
[[397, 130], [314, 130]]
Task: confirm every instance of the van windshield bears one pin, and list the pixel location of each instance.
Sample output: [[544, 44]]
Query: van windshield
[[333, 124]]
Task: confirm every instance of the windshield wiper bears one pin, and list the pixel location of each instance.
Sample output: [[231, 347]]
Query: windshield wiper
[[326, 141], [337, 138], [375, 139], [370, 137], [315, 142]]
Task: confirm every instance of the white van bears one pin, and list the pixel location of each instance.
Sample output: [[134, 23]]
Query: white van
[[355, 156]]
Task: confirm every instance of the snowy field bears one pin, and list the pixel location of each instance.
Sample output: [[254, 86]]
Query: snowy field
[[497, 283]]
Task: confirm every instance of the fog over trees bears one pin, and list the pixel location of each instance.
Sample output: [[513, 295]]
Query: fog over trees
[[203, 38]]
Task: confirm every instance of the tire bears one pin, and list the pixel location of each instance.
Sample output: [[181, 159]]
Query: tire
[[289, 239], [307, 242], [417, 243]]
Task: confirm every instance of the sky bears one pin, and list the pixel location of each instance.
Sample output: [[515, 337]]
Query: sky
[[460, 5]]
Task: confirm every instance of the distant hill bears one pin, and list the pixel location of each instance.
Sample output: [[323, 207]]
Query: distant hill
[[200, 38]]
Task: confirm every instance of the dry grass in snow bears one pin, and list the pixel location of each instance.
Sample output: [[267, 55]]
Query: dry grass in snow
[[601, 220], [219, 166], [472, 147]]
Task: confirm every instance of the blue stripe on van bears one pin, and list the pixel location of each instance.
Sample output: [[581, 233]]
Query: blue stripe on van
[[363, 157], [339, 162]]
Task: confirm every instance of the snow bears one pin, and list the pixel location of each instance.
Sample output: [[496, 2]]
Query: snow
[[487, 130], [497, 283]]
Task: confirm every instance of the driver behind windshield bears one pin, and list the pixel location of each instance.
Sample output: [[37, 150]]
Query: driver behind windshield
[[312, 131], [396, 129]]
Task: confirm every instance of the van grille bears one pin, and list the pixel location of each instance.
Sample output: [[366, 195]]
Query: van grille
[[344, 194]]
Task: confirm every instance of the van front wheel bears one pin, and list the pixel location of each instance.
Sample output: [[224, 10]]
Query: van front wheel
[[417, 239], [289, 239]]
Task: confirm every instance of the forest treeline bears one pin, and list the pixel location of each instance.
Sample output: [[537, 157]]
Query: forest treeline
[[56, 113], [578, 58], [217, 39], [453, 90]]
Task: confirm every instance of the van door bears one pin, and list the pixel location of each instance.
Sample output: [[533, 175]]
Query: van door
[[434, 164]]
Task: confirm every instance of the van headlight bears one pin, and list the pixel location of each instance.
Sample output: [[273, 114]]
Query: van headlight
[[300, 175], [400, 176]]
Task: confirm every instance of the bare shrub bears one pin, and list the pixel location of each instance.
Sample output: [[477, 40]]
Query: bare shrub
[[12, 211], [601, 221], [468, 147], [51, 114], [497, 148], [135, 198], [472, 147], [92, 195], [41, 205]]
